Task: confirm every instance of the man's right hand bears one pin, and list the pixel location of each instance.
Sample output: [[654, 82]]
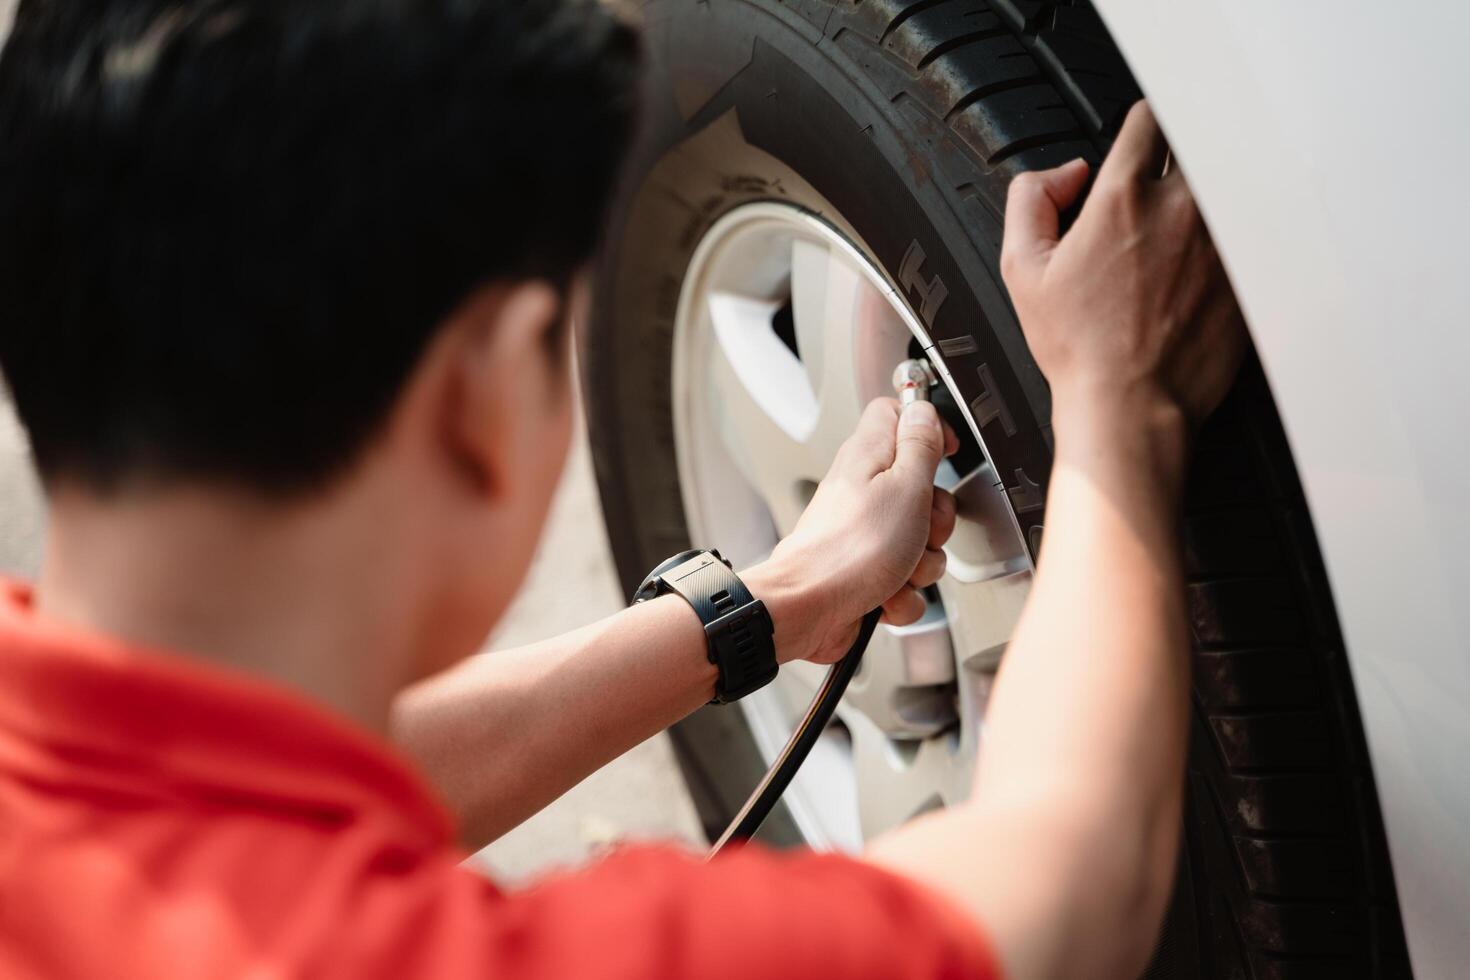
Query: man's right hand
[[1065, 853], [1132, 308]]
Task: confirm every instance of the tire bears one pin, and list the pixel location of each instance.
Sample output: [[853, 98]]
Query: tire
[[902, 122]]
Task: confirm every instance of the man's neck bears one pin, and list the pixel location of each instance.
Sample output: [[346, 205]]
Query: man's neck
[[296, 595]]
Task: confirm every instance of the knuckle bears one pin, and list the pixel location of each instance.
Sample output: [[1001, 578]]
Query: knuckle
[[1010, 265], [937, 561], [901, 611], [1181, 207], [1022, 183], [1115, 195], [880, 412], [940, 533], [911, 434]]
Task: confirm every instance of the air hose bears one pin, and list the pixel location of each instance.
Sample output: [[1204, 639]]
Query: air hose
[[911, 381], [800, 744]]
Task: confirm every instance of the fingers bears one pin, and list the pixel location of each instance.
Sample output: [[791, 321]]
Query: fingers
[[929, 570], [870, 449], [903, 608], [908, 603], [1034, 205], [1139, 151], [942, 513], [951, 441], [920, 443]]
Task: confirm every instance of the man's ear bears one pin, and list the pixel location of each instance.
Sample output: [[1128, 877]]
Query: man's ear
[[498, 370]]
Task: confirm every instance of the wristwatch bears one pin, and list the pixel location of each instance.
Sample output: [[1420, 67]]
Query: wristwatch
[[737, 627]]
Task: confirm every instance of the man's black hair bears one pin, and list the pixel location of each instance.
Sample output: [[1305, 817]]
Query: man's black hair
[[229, 228]]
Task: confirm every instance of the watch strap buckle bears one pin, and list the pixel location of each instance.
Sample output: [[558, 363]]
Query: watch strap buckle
[[738, 642]]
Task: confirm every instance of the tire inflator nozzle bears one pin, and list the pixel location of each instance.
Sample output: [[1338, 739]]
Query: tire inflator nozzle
[[912, 380]]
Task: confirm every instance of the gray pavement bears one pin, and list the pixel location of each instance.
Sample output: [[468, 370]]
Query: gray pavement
[[21, 512], [639, 796]]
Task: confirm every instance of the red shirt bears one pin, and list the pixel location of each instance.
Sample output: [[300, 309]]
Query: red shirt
[[159, 818]]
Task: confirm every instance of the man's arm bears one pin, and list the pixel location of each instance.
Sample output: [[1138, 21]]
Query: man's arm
[[505, 733], [1065, 855]]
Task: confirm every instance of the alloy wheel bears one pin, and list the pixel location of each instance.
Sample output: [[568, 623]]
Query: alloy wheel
[[785, 329]]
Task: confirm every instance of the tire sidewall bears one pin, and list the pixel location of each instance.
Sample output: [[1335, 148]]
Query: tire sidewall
[[743, 108], [786, 126]]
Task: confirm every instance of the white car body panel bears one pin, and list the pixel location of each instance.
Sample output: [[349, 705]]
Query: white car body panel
[[1329, 148]]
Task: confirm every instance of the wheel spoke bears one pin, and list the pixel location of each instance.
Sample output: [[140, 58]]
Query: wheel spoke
[[765, 423], [983, 615], [985, 543], [825, 296], [988, 574], [811, 263], [763, 405], [898, 781], [849, 337], [903, 685]]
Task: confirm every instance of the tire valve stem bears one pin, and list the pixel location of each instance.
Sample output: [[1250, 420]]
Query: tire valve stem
[[912, 380]]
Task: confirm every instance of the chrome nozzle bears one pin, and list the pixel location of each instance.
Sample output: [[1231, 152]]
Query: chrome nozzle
[[912, 380]]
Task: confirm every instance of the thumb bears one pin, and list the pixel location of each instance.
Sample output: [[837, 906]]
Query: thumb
[[920, 443], [1034, 205]]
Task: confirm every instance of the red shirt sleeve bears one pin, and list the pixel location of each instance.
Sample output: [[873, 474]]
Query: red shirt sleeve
[[645, 913]]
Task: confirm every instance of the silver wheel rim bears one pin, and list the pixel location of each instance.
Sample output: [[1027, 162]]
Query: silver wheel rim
[[756, 424]]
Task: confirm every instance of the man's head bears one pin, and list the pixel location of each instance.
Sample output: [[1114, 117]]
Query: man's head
[[267, 248]]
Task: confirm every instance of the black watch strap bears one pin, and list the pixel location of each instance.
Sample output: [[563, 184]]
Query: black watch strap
[[737, 628]]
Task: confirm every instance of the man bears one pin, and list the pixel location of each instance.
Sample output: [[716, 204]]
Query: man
[[286, 289]]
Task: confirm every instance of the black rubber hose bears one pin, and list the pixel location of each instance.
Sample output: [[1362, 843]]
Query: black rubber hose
[[799, 746]]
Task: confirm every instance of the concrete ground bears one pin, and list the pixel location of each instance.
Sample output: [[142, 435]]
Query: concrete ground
[[639, 796]]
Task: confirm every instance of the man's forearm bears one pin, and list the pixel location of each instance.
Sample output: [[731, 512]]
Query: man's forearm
[[1102, 642], [1065, 854], [502, 735], [1088, 720], [1081, 760]]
